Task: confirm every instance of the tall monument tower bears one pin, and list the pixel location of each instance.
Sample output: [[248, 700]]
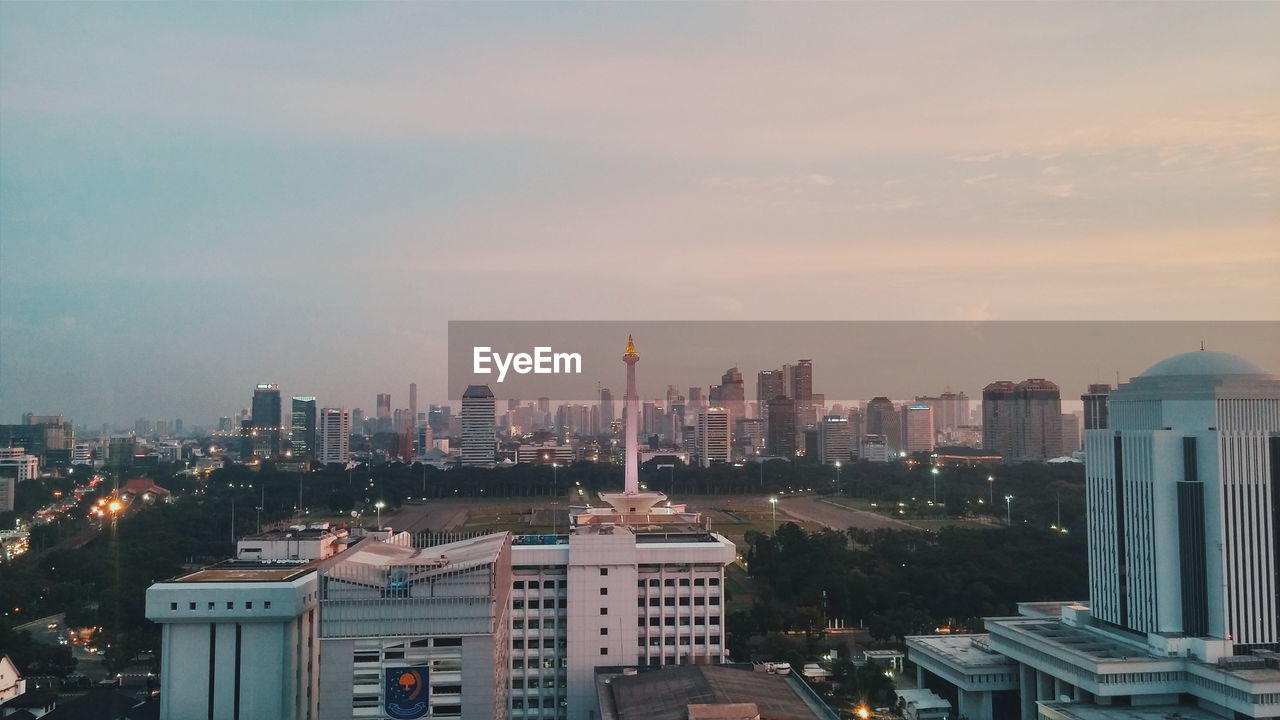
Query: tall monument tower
[[631, 403]]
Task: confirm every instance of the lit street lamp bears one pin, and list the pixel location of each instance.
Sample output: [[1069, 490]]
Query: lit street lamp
[[379, 505], [1008, 509], [934, 472], [774, 502], [991, 491], [838, 477]]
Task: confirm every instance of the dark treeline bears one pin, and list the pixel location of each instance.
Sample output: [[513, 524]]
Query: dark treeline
[[901, 583]]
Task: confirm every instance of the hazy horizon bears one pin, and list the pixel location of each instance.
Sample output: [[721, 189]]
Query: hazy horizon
[[195, 198]]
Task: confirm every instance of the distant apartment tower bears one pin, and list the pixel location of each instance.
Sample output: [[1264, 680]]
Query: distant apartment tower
[[713, 436], [1070, 433], [835, 440], [918, 435], [781, 433], [333, 436], [267, 419], [882, 419], [479, 440], [1095, 406], [607, 413], [383, 417], [802, 393], [1022, 422], [302, 427], [950, 410], [413, 405], [768, 386], [732, 394]]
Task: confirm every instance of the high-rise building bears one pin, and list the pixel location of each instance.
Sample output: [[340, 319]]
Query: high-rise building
[[1095, 406], [733, 395], [383, 418], [835, 440], [768, 386], [781, 431], [1183, 522], [333, 436], [918, 432], [479, 439], [413, 405], [607, 414], [268, 426], [1022, 422], [802, 393], [882, 419], [950, 410], [1070, 433], [713, 436], [8, 490], [302, 427]]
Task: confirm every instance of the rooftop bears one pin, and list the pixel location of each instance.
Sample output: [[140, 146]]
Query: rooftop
[[964, 650], [1079, 711], [246, 571], [1204, 362], [666, 694]]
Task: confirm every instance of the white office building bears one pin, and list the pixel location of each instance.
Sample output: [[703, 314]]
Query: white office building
[[436, 615], [835, 440], [26, 467], [918, 432], [238, 641], [1184, 503], [479, 438], [713, 436], [333, 436]]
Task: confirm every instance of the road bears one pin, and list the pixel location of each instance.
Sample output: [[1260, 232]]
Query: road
[[814, 510]]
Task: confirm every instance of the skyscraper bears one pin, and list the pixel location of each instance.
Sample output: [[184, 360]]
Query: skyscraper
[[333, 436], [781, 433], [413, 405], [713, 436], [607, 414], [302, 427], [1095, 406], [835, 440], [266, 419], [882, 420], [732, 394], [1022, 422], [1182, 532], [479, 440], [768, 386], [918, 435], [384, 423]]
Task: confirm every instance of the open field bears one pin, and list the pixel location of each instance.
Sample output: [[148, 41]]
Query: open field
[[919, 523]]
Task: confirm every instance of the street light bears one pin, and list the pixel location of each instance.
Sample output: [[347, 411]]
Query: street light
[[934, 472], [774, 502], [838, 477], [991, 491], [1008, 509], [379, 505]]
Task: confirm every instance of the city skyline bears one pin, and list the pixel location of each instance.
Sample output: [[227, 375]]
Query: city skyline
[[170, 172]]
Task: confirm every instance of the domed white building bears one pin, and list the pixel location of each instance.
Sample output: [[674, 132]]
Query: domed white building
[[1184, 566]]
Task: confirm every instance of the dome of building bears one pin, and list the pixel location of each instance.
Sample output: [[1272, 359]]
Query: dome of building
[[1204, 362]]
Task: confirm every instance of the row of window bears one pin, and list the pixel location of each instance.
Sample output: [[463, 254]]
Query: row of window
[[683, 602], [536, 644], [248, 605], [679, 582], [535, 584], [373, 701], [534, 703], [547, 663], [673, 621], [684, 640], [533, 683], [536, 604]]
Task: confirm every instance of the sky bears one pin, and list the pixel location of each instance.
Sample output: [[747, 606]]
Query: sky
[[198, 197]]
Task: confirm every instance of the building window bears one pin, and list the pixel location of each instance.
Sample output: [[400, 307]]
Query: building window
[[669, 582], [669, 602], [715, 619], [604, 611], [639, 622], [517, 664], [604, 631], [653, 583], [174, 606], [534, 605], [364, 701], [517, 684], [684, 602], [248, 605], [684, 622], [517, 604], [517, 585], [699, 582], [535, 624], [533, 584], [564, 584], [604, 571], [684, 582], [517, 624], [604, 651], [639, 583], [517, 644], [713, 582], [715, 639], [534, 643], [604, 591], [653, 602], [715, 601], [669, 622], [210, 606], [653, 622], [231, 605], [670, 642], [266, 604]]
